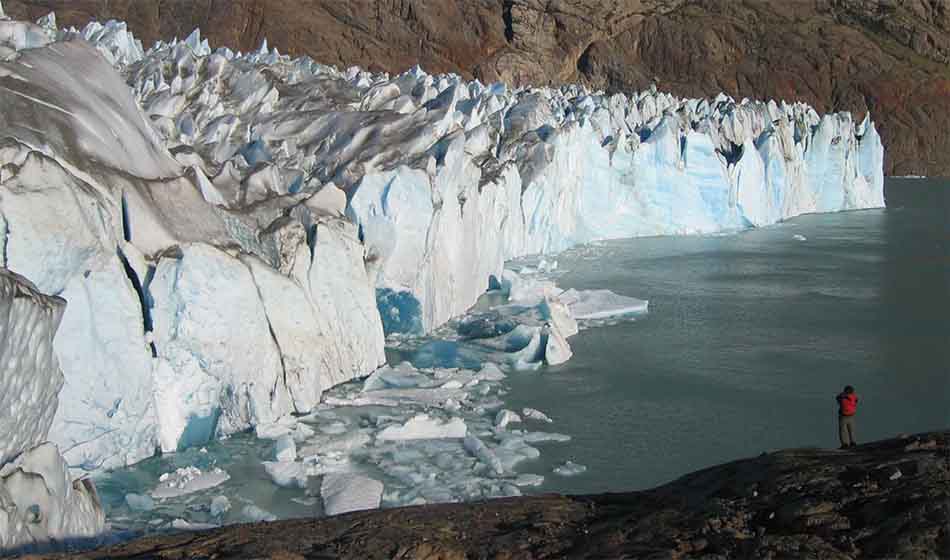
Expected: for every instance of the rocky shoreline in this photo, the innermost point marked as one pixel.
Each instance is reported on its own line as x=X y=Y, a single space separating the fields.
x=886 y=499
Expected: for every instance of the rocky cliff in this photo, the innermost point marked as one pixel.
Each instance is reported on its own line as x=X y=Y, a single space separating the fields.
x=889 y=56
x=889 y=499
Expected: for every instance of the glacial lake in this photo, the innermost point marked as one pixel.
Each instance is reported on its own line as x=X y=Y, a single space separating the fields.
x=748 y=339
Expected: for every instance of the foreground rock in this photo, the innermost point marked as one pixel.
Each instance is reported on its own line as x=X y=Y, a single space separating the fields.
x=843 y=55
x=884 y=499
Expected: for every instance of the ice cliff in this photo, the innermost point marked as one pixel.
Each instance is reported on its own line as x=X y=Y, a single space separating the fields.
x=235 y=232
x=39 y=501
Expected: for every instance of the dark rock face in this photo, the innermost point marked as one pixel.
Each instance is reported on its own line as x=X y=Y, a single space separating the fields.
x=889 y=56
x=889 y=499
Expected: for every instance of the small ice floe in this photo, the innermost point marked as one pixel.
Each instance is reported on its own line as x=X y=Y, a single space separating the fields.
x=188 y=480
x=601 y=304
x=535 y=414
x=285 y=450
x=535 y=437
x=345 y=492
x=799 y=237
x=570 y=468
x=480 y=451
x=182 y=525
x=423 y=426
x=505 y=417
x=528 y=479
x=289 y=474
x=307 y=502
x=273 y=430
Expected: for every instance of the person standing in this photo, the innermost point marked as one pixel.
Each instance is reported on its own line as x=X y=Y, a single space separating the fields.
x=847 y=408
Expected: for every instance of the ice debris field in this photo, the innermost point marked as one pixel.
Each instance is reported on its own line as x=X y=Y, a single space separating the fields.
x=237 y=236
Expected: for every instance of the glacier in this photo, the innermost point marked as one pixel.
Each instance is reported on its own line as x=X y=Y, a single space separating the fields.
x=40 y=503
x=235 y=233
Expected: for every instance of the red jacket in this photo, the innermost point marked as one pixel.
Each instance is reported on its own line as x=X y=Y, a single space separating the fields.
x=847 y=403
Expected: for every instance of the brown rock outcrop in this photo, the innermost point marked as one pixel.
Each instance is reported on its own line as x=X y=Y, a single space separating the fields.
x=889 y=56
x=889 y=499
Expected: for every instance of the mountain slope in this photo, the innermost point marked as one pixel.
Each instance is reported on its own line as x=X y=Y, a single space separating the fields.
x=887 y=56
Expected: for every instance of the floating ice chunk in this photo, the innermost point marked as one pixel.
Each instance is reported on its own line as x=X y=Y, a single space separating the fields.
x=527 y=479
x=525 y=290
x=344 y=492
x=307 y=502
x=556 y=348
x=422 y=426
x=799 y=237
x=359 y=401
x=600 y=304
x=343 y=444
x=479 y=450
x=535 y=414
x=289 y=474
x=303 y=432
x=490 y=372
x=182 y=525
x=535 y=437
x=452 y=384
x=559 y=315
x=505 y=417
x=485 y=325
x=220 y=505
x=285 y=450
x=333 y=428
x=514 y=450
x=399 y=377
x=531 y=354
x=188 y=480
x=570 y=468
x=271 y=430
x=138 y=502
x=255 y=514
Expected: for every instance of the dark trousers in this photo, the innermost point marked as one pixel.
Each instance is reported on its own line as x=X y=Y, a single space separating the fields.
x=846 y=430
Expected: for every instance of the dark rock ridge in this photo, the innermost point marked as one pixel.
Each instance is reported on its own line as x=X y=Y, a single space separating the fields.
x=889 y=56
x=889 y=499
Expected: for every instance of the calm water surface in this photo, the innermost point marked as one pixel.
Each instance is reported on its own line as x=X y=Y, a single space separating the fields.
x=748 y=339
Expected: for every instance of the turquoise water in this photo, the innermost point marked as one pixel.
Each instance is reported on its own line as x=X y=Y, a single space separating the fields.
x=748 y=339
